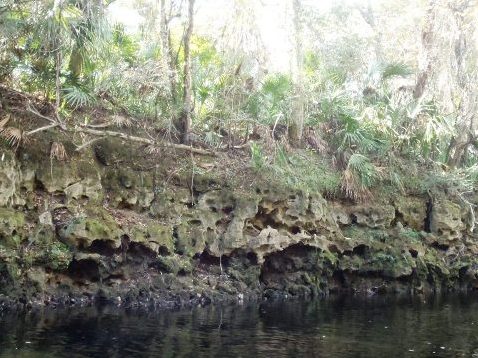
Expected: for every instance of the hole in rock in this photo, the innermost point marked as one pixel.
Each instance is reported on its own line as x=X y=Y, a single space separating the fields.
x=414 y=253
x=439 y=246
x=462 y=272
x=84 y=270
x=227 y=210
x=102 y=247
x=252 y=257
x=163 y=251
x=360 y=250
x=205 y=258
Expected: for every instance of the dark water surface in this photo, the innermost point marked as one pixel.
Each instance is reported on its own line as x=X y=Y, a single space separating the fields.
x=375 y=327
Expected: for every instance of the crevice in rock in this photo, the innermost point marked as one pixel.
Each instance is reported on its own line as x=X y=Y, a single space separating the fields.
x=397 y=219
x=428 y=218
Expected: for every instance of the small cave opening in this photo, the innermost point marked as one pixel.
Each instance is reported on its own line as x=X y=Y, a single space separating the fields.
x=286 y=260
x=243 y=258
x=84 y=270
x=427 y=225
x=102 y=247
x=441 y=247
x=163 y=251
x=205 y=258
x=353 y=219
x=140 y=251
x=124 y=205
x=413 y=253
x=38 y=184
x=265 y=218
x=252 y=257
x=360 y=250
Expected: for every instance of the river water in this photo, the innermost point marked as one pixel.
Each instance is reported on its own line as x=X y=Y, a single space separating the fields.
x=336 y=327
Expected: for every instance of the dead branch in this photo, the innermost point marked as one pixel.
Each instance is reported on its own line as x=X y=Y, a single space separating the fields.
x=102 y=133
x=53 y=125
x=87 y=144
x=142 y=140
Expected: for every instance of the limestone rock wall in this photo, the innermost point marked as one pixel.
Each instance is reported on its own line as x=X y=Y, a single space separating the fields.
x=97 y=226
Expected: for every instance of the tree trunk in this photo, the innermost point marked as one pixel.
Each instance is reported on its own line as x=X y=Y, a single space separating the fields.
x=184 y=125
x=167 y=56
x=296 y=124
x=427 y=56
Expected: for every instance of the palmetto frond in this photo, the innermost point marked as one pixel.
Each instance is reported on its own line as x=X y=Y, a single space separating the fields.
x=12 y=135
x=359 y=176
x=77 y=97
x=395 y=69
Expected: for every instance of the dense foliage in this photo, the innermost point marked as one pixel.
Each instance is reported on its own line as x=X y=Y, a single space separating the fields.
x=367 y=94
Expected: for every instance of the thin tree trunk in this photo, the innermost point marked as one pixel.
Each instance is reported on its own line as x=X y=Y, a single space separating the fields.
x=297 y=117
x=185 y=120
x=167 y=55
x=58 y=63
x=428 y=57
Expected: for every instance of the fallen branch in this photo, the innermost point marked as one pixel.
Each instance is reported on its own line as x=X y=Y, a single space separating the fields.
x=51 y=120
x=142 y=140
x=107 y=133
x=87 y=144
x=53 y=125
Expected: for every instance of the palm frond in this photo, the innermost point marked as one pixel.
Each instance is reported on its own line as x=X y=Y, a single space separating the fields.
x=359 y=176
x=12 y=135
x=396 y=69
x=77 y=97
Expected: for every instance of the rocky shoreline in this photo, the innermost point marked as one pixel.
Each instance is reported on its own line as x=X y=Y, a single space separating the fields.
x=100 y=228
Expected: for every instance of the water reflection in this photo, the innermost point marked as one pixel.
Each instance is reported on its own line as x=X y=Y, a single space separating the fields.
x=342 y=327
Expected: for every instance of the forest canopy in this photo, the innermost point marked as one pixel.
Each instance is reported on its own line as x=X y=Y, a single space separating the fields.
x=375 y=89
